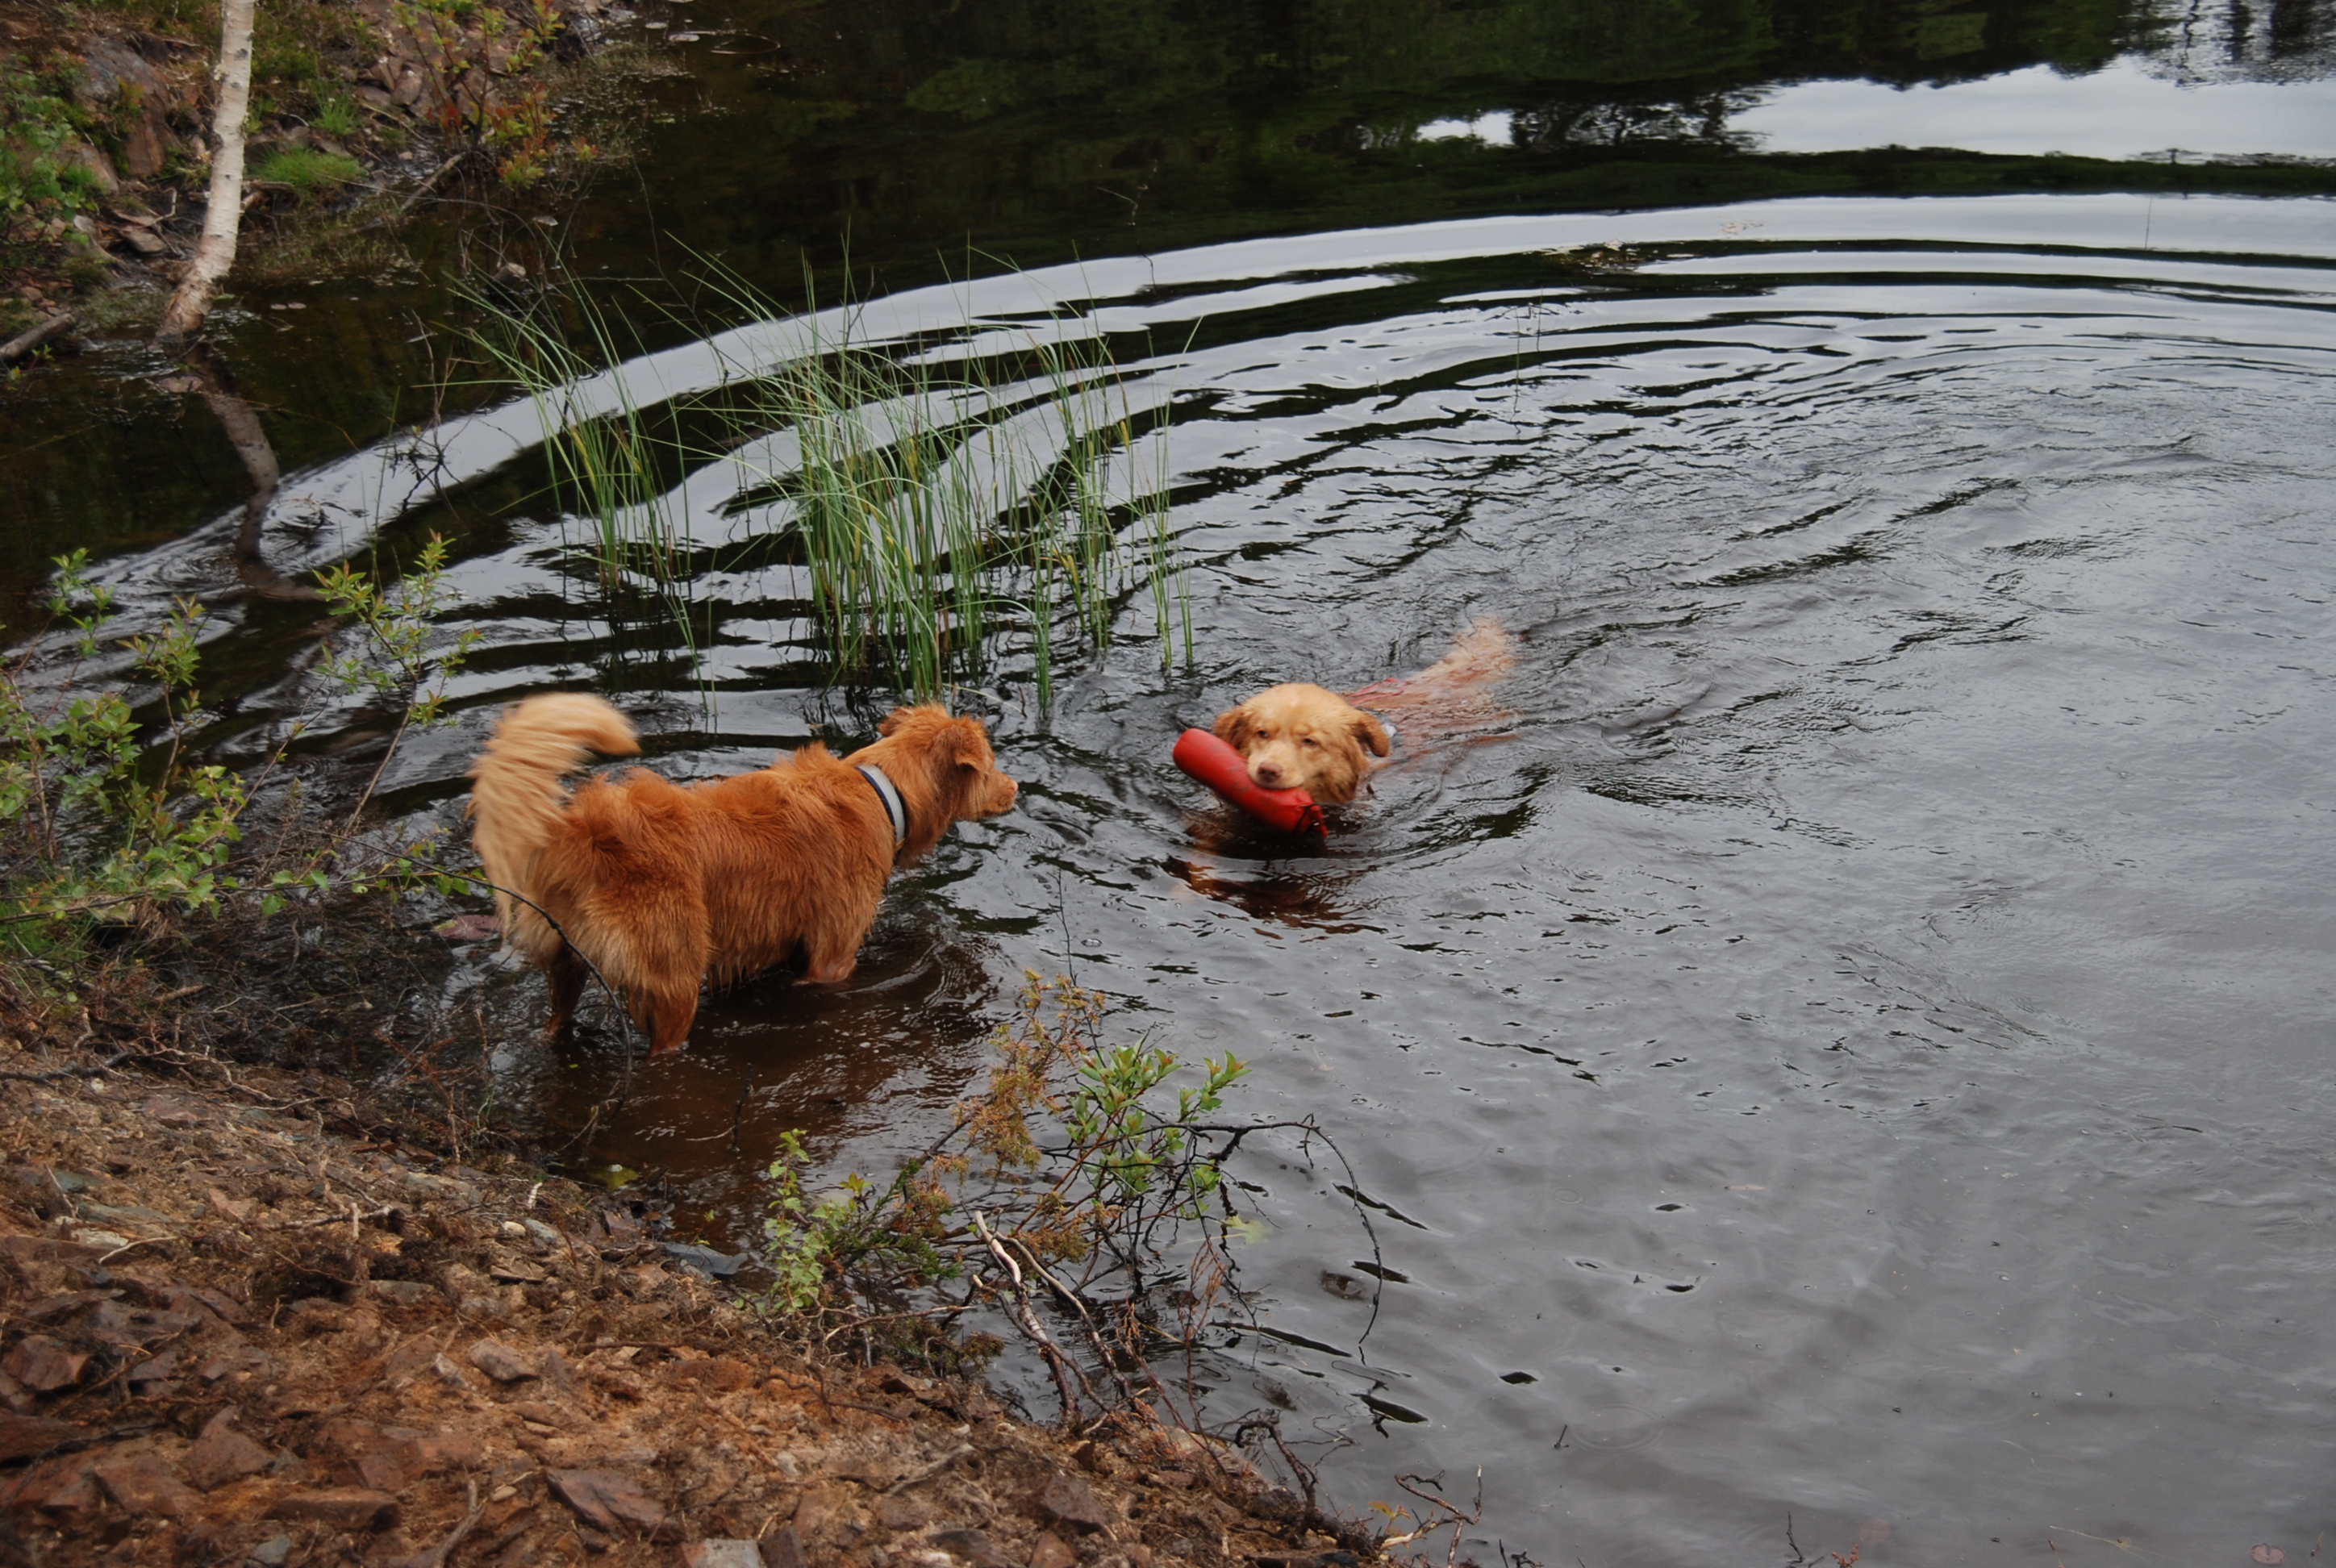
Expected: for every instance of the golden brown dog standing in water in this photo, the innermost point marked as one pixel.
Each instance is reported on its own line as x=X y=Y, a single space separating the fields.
x=1303 y=737
x=662 y=886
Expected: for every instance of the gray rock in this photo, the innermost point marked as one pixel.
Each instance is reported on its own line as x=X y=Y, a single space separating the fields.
x=500 y=1362
x=1065 y=1499
x=706 y=1260
x=722 y=1554
x=106 y=68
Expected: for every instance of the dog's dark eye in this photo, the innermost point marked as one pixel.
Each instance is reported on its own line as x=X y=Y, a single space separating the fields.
x=1309 y=740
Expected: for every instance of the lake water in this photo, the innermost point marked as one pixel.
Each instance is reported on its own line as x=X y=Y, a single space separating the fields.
x=1854 y=1044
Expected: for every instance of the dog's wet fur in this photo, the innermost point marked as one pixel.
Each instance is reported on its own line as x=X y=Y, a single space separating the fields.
x=1299 y=736
x=1303 y=737
x=663 y=887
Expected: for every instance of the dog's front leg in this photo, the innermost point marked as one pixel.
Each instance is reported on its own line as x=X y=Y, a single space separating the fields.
x=667 y=1017
x=831 y=947
x=567 y=974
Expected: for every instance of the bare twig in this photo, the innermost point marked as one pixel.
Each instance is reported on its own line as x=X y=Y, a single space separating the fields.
x=1447 y=1512
x=350 y=1219
x=930 y=1471
x=435 y=1557
x=437 y=178
x=1070 y=1297
x=1027 y=1317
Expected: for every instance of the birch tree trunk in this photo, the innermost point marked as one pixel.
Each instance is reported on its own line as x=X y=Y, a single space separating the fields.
x=223 y=220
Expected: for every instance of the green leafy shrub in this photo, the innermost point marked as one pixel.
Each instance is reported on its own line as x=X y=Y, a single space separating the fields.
x=462 y=46
x=107 y=816
x=1069 y=1176
x=37 y=125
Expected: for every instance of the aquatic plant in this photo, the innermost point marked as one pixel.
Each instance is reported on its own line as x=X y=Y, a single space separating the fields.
x=606 y=464
x=947 y=494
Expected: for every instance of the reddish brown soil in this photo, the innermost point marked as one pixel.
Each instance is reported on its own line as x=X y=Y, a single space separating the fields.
x=231 y=1336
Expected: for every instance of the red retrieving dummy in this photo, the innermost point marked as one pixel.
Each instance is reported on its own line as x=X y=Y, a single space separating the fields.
x=1226 y=771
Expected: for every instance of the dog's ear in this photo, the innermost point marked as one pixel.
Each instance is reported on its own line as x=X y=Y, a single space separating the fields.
x=967 y=743
x=931 y=715
x=1367 y=729
x=1234 y=726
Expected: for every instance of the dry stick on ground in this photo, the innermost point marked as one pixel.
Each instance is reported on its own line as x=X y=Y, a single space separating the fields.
x=224 y=218
x=435 y=1557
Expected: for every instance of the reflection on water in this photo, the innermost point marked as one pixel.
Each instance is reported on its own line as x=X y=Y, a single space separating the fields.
x=851 y=1069
x=939 y=138
x=2123 y=111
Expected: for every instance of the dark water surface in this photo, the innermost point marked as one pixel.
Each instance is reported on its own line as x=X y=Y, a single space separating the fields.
x=1855 y=1044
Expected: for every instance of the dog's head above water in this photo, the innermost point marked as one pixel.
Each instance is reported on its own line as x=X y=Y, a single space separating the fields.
x=1302 y=736
x=944 y=769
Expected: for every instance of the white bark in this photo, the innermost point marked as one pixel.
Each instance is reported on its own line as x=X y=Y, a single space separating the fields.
x=224 y=218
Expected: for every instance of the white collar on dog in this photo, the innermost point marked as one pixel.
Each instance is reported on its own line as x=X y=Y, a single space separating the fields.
x=890 y=794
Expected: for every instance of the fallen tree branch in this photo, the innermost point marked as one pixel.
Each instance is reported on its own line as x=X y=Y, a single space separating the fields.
x=23 y=343
x=438 y=176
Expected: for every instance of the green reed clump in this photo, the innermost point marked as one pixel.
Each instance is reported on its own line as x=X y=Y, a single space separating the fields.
x=893 y=526
x=946 y=493
x=610 y=467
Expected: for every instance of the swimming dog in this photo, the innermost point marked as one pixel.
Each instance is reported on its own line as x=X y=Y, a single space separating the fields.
x=1299 y=736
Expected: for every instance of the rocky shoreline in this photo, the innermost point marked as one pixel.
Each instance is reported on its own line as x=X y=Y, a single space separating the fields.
x=378 y=109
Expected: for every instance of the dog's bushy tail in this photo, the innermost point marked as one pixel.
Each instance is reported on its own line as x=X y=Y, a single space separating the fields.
x=520 y=788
